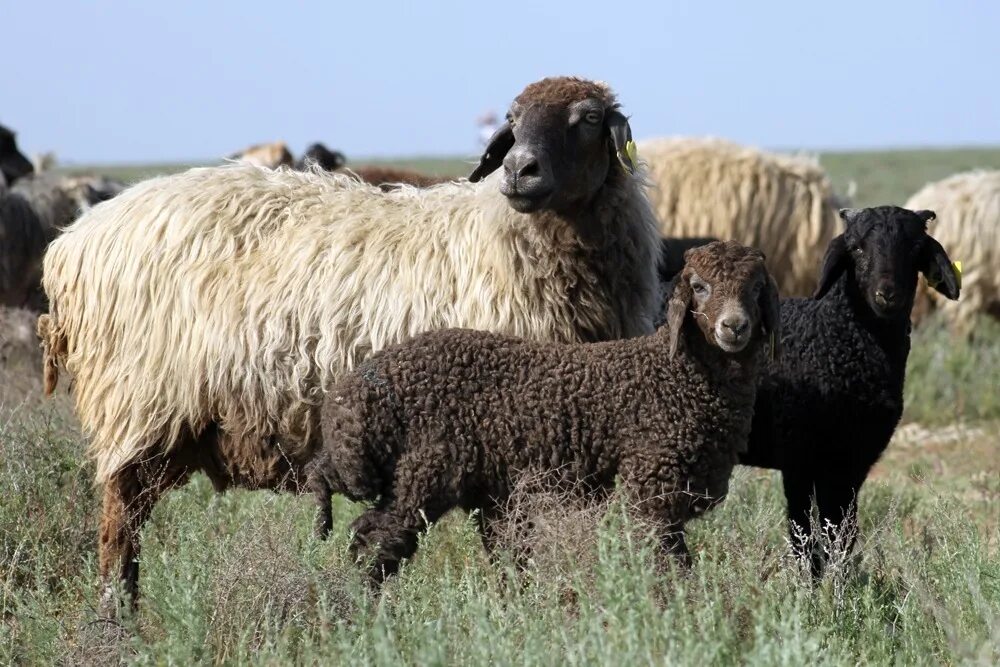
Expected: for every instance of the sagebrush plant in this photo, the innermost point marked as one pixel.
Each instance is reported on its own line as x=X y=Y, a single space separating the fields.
x=238 y=578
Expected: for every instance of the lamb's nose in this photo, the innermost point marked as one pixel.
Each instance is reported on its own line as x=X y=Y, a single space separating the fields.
x=885 y=296
x=738 y=325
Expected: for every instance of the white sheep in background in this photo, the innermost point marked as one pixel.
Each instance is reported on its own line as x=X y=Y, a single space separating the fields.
x=968 y=226
x=781 y=204
x=270 y=155
x=203 y=314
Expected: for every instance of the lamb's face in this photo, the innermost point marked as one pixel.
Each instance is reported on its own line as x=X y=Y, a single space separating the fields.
x=13 y=164
x=732 y=299
x=882 y=251
x=558 y=145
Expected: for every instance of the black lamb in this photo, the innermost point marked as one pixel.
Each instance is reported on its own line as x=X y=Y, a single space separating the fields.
x=826 y=410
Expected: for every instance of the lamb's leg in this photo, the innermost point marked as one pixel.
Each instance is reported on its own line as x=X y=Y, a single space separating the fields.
x=656 y=500
x=387 y=534
x=490 y=521
x=799 y=490
x=837 y=501
x=672 y=542
x=129 y=498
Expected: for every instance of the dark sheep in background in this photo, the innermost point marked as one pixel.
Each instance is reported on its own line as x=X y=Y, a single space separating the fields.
x=13 y=164
x=322 y=157
x=387 y=178
x=826 y=411
x=32 y=213
x=23 y=239
x=454 y=418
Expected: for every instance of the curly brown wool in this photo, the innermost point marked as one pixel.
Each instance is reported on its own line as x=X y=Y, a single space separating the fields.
x=452 y=418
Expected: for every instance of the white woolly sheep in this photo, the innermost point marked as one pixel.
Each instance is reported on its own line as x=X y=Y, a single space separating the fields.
x=781 y=204
x=968 y=225
x=202 y=314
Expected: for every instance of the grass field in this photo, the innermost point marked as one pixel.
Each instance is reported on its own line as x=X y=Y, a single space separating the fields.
x=238 y=578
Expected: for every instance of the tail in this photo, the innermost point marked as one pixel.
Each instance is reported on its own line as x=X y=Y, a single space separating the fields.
x=53 y=344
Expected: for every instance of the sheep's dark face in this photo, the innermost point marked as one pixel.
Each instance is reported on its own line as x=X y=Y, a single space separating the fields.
x=324 y=157
x=882 y=251
x=729 y=294
x=558 y=145
x=12 y=163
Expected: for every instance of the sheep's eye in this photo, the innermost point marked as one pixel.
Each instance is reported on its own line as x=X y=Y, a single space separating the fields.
x=699 y=288
x=593 y=117
x=857 y=250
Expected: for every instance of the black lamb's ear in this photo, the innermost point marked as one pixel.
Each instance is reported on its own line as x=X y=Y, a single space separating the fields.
x=496 y=149
x=938 y=269
x=770 y=308
x=620 y=133
x=677 y=309
x=834 y=264
x=849 y=215
x=926 y=215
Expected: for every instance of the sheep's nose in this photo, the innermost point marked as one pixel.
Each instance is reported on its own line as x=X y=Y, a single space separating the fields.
x=885 y=295
x=737 y=325
x=521 y=163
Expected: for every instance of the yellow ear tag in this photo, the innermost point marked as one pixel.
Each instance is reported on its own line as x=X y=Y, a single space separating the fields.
x=958 y=272
x=630 y=159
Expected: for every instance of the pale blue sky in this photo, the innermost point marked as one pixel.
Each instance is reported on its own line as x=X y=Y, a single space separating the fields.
x=116 y=81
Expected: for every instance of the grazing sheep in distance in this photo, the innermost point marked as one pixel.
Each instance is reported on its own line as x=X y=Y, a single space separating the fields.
x=387 y=178
x=779 y=203
x=826 y=411
x=13 y=164
x=269 y=156
x=42 y=162
x=390 y=178
x=202 y=314
x=968 y=224
x=322 y=157
x=453 y=418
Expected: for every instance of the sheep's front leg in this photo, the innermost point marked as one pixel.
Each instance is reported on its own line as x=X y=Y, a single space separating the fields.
x=654 y=498
x=129 y=498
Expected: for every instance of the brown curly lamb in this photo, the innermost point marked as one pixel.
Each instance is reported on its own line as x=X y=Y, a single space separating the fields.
x=453 y=418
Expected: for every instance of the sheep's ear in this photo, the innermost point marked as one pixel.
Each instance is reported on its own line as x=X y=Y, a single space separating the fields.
x=14 y=166
x=620 y=133
x=941 y=273
x=926 y=215
x=834 y=263
x=850 y=215
x=770 y=308
x=677 y=309
x=501 y=142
